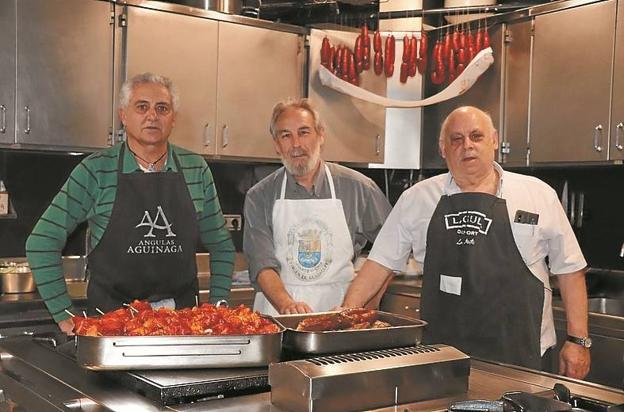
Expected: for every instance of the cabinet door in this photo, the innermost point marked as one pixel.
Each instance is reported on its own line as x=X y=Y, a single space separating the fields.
x=616 y=147
x=7 y=71
x=354 y=128
x=64 y=73
x=571 y=84
x=257 y=68
x=514 y=137
x=183 y=48
x=406 y=305
x=485 y=94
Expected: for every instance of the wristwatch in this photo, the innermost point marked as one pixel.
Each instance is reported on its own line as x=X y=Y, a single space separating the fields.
x=584 y=342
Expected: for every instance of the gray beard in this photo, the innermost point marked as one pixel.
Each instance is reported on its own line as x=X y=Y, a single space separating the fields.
x=301 y=169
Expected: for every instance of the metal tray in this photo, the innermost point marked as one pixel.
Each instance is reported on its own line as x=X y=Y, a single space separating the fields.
x=177 y=352
x=405 y=331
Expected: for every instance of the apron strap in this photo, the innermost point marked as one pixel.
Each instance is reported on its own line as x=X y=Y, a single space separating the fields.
x=283 y=192
x=122 y=152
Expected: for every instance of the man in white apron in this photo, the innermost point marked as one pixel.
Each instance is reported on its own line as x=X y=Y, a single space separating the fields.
x=306 y=222
x=483 y=235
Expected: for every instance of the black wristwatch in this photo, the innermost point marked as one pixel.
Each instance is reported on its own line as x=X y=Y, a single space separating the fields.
x=584 y=342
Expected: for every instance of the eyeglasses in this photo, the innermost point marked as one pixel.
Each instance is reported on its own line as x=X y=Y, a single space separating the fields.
x=161 y=109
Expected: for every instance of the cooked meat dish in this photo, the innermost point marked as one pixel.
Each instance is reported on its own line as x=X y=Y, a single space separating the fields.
x=349 y=319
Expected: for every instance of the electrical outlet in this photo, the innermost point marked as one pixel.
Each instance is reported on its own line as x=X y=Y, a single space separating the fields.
x=233 y=223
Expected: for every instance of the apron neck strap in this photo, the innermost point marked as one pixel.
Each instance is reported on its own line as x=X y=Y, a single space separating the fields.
x=328 y=174
x=122 y=153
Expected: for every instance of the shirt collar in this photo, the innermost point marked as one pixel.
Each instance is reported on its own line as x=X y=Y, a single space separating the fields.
x=317 y=186
x=451 y=187
x=130 y=164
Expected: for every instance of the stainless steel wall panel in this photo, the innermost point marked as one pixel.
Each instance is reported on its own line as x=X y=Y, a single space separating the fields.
x=64 y=76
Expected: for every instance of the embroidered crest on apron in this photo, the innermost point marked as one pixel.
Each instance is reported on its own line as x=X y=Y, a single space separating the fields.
x=314 y=248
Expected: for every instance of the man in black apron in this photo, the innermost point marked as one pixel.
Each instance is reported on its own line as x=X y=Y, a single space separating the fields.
x=147 y=251
x=478 y=293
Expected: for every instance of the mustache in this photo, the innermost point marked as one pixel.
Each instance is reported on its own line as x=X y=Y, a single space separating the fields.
x=297 y=152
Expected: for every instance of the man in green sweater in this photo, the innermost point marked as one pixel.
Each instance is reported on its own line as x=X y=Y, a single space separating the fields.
x=148 y=204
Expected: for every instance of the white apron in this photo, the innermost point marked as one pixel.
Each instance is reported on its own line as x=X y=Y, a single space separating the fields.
x=314 y=247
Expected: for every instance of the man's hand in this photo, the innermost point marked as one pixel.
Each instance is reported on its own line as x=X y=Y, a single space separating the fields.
x=293 y=308
x=574 y=360
x=67 y=327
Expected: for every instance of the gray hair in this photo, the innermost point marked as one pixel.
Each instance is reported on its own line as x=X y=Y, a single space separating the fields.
x=445 y=123
x=129 y=85
x=303 y=104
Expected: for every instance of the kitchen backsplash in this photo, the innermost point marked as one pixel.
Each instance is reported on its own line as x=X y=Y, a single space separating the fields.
x=33 y=178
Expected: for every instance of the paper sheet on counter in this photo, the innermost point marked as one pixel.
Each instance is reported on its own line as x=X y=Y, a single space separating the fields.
x=460 y=85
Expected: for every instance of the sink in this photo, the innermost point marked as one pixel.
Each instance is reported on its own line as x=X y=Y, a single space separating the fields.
x=606 y=306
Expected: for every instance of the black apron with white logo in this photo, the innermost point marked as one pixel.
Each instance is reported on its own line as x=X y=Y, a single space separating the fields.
x=478 y=294
x=148 y=249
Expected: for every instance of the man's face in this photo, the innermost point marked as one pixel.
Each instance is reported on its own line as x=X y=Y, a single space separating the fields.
x=149 y=117
x=297 y=141
x=469 y=143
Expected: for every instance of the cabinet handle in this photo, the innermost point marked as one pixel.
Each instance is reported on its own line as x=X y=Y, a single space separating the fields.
x=619 y=130
x=207 y=139
x=3 y=124
x=411 y=308
x=377 y=145
x=225 y=136
x=598 y=138
x=27 y=130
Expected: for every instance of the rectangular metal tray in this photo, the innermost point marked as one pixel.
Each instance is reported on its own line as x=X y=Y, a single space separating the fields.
x=405 y=331
x=178 y=352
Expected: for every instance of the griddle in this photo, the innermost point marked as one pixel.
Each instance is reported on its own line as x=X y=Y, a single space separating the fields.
x=182 y=386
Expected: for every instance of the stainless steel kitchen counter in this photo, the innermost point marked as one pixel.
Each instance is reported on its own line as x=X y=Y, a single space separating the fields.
x=32 y=374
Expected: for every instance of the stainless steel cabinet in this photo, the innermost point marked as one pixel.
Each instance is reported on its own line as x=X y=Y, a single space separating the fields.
x=7 y=71
x=406 y=304
x=184 y=49
x=485 y=94
x=616 y=144
x=256 y=68
x=354 y=128
x=513 y=137
x=64 y=73
x=571 y=84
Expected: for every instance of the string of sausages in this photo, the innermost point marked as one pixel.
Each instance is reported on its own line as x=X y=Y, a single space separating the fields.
x=450 y=55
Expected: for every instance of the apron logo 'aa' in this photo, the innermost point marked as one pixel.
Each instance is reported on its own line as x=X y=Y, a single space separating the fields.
x=468 y=219
x=155 y=246
x=153 y=224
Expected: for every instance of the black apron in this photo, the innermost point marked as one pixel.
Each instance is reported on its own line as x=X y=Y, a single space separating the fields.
x=496 y=313
x=148 y=249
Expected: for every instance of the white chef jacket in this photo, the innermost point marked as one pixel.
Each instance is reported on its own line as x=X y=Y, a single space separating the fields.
x=405 y=231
